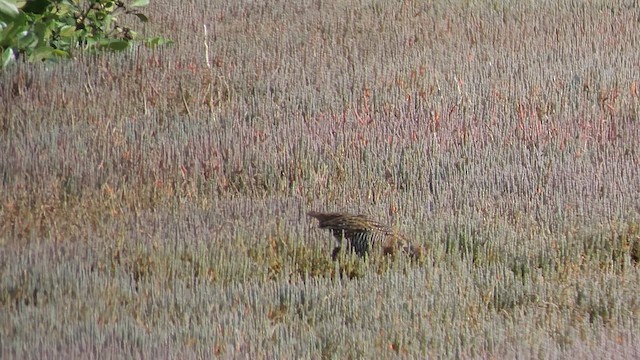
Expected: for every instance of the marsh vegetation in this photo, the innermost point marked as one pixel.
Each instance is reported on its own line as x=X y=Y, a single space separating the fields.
x=153 y=202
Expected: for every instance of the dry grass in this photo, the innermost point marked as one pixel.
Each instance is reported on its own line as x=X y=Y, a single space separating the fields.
x=153 y=205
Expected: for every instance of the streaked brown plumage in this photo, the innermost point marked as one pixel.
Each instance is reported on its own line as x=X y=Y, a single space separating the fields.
x=362 y=234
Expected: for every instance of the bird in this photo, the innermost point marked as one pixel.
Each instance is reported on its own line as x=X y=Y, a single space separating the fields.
x=362 y=234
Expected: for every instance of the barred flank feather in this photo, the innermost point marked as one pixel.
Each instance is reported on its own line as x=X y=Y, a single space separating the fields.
x=362 y=234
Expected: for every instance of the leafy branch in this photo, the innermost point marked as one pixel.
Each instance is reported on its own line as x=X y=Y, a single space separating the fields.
x=39 y=30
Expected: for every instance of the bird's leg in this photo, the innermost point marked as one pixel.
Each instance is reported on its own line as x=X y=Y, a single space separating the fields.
x=335 y=253
x=340 y=236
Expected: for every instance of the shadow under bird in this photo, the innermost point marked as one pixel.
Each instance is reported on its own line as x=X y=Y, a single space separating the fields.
x=363 y=234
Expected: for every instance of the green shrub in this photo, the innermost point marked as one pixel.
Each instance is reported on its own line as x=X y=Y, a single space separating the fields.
x=49 y=29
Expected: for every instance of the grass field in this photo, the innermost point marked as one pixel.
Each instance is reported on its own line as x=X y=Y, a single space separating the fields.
x=152 y=203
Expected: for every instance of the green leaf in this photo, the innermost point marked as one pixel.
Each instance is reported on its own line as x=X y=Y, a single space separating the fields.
x=67 y=31
x=116 y=45
x=142 y=17
x=64 y=9
x=8 y=7
x=90 y=43
x=157 y=41
x=44 y=29
x=46 y=52
x=13 y=32
x=139 y=3
x=7 y=57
